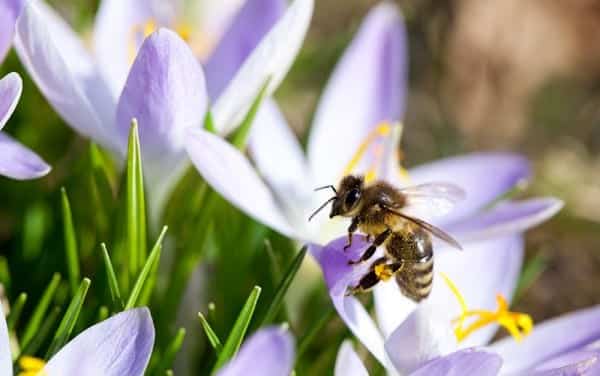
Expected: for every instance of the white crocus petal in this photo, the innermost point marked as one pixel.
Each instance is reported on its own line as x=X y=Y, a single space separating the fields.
x=5 y=356
x=391 y=307
x=278 y=157
x=270 y=61
x=64 y=72
x=348 y=363
x=11 y=87
x=213 y=16
x=120 y=345
x=230 y=174
x=116 y=32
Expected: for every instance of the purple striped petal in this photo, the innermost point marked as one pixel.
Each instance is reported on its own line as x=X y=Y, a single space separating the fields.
x=550 y=339
x=576 y=363
x=483 y=176
x=269 y=61
x=5 y=356
x=230 y=174
x=9 y=11
x=348 y=363
x=465 y=362
x=11 y=87
x=269 y=352
x=18 y=162
x=367 y=87
x=505 y=218
x=338 y=277
x=120 y=345
x=166 y=93
x=64 y=72
x=117 y=33
x=249 y=26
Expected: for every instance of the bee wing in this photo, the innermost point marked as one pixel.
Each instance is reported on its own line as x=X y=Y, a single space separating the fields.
x=431 y=200
x=435 y=231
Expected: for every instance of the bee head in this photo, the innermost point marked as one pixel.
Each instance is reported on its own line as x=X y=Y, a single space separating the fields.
x=348 y=196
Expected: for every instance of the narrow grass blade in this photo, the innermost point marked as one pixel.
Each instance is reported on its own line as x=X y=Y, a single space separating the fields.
x=531 y=271
x=145 y=273
x=171 y=351
x=209 y=123
x=102 y=177
x=15 y=312
x=69 y=319
x=240 y=136
x=136 y=207
x=236 y=336
x=312 y=331
x=283 y=287
x=214 y=340
x=103 y=313
x=111 y=277
x=70 y=242
x=42 y=334
x=39 y=314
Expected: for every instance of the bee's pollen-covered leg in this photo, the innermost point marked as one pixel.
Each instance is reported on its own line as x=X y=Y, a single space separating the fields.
x=379 y=240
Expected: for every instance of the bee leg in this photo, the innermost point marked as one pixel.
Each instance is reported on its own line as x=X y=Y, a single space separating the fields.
x=351 y=230
x=373 y=247
x=368 y=280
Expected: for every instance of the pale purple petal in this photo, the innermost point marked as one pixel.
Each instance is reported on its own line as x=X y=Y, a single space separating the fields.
x=18 y=162
x=505 y=218
x=165 y=91
x=367 y=87
x=117 y=33
x=230 y=174
x=9 y=11
x=270 y=60
x=120 y=345
x=550 y=339
x=576 y=363
x=339 y=276
x=5 y=356
x=483 y=176
x=11 y=87
x=251 y=23
x=64 y=72
x=465 y=362
x=348 y=363
x=269 y=352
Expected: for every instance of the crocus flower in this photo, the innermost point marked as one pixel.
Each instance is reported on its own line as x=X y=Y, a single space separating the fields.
x=357 y=130
x=158 y=80
x=269 y=352
x=464 y=312
x=120 y=345
x=16 y=161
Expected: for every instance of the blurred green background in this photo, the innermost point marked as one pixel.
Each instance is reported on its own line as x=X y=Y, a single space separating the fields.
x=519 y=75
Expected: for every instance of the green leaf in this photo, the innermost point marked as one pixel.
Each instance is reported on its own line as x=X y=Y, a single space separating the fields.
x=171 y=351
x=283 y=287
x=236 y=336
x=102 y=180
x=209 y=123
x=69 y=319
x=145 y=273
x=136 y=205
x=313 y=330
x=15 y=312
x=39 y=314
x=240 y=136
x=70 y=242
x=531 y=271
x=210 y=334
x=41 y=335
x=103 y=313
x=113 y=284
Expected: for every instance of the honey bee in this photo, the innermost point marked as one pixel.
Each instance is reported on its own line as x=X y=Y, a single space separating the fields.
x=384 y=214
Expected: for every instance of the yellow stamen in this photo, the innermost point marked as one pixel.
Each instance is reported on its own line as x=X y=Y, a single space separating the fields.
x=517 y=324
x=184 y=30
x=31 y=366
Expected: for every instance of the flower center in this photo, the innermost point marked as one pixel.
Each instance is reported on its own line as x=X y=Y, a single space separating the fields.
x=517 y=324
x=31 y=366
x=374 y=145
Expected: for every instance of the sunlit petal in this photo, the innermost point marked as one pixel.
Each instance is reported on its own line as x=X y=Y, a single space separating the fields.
x=465 y=362
x=348 y=363
x=11 y=87
x=18 y=162
x=9 y=11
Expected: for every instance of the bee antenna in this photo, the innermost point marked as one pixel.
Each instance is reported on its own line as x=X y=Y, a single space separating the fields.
x=321 y=207
x=325 y=187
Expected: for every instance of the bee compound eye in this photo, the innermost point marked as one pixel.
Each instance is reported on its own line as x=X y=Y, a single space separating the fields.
x=352 y=198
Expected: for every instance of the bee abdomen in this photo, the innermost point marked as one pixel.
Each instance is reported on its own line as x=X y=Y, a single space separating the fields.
x=416 y=278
